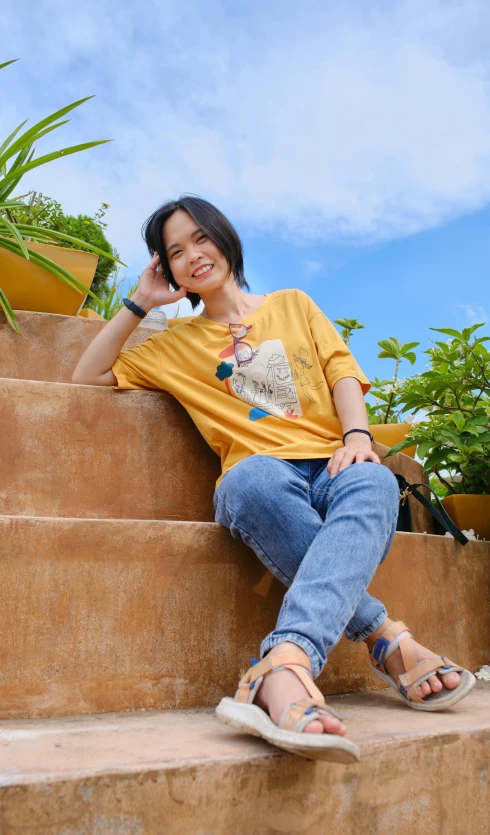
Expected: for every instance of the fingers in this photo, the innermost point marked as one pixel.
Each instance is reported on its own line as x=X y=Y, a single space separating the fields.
x=346 y=456
x=340 y=460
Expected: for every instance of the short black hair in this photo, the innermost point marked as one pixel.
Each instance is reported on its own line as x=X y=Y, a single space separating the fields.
x=213 y=222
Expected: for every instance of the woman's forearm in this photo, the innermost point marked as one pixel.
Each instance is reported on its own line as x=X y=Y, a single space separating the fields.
x=95 y=366
x=349 y=402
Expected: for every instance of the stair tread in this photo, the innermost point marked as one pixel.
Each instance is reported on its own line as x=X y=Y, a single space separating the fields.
x=48 y=750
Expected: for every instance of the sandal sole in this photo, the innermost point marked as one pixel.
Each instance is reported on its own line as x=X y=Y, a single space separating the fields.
x=253 y=720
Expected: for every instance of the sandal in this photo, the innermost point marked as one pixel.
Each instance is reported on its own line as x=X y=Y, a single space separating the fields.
x=397 y=636
x=242 y=714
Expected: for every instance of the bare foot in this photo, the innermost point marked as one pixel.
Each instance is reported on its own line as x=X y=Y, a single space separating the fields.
x=395 y=665
x=279 y=690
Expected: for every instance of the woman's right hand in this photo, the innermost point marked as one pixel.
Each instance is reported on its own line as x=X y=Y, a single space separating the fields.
x=154 y=288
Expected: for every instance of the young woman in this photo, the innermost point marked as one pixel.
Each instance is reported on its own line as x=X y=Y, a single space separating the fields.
x=276 y=393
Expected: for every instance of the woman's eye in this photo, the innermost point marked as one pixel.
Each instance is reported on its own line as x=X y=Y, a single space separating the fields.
x=177 y=252
x=201 y=237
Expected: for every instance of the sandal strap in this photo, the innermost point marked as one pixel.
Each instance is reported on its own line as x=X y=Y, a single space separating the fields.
x=379 y=650
x=299 y=714
x=409 y=681
x=250 y=682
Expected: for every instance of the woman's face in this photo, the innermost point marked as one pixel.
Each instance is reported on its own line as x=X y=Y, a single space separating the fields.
x=196 y=262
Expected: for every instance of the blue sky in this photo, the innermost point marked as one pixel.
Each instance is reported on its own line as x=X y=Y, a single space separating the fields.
x=348 y=142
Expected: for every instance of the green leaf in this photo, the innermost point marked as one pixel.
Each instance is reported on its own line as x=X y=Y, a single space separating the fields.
x=456 y=457
x=410 y=356
x=5 y=305
x=409 y=346
x=6 y=63
x=449 y=331
x=477 y=420
x=11 y=136
x=459 y=420
x=13 y=204
x=435 y=459
x=40 y=234
x=74 y=149
x=405 y=444
x=424 y=447
x=13 y=231
x=475 y=327
x=31 y=135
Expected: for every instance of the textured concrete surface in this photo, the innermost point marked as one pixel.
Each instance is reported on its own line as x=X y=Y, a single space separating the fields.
x=181 y=773
x=86 y=451
x=50 y=345
x=118 y=615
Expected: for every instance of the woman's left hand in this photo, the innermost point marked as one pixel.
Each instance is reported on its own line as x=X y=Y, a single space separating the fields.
x=354 y=452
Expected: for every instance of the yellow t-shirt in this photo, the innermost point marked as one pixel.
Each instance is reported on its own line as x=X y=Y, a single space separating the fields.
x=279 y=404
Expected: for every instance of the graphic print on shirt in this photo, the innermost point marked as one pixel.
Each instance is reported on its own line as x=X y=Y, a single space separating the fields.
x=304 y=379
x=266 y=383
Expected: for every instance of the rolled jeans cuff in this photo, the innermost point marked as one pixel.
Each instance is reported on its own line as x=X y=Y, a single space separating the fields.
x=301 y=641
x=358 y=637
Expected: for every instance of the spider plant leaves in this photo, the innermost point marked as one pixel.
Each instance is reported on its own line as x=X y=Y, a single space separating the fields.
x=32 y=135
x=9 y=313
x=15 y=234
x=46 y=235
x=8 y=183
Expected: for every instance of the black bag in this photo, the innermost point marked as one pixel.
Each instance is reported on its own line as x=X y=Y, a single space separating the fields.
x=439 y=513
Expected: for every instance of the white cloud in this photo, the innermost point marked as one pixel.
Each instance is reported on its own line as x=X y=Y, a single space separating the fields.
x=314 y=121
x=475 y=313
x=312 y=267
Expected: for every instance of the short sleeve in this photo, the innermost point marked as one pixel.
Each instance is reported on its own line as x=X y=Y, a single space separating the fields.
x=336 y=359
x=140 y=367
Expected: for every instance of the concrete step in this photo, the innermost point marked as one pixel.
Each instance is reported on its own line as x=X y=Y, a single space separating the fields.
x=87 y=451
x=117 y=615
x=91 y=452
x=50 y=345
x=183 y=773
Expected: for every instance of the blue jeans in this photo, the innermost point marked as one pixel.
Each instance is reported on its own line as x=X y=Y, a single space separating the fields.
x=322 y=537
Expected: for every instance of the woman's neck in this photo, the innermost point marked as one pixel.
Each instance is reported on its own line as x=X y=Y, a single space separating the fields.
x=230 y=304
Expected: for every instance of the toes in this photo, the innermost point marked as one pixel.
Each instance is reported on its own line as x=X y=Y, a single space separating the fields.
x=333 y=726
x=326 y=724
x=315 y=727
x=435 y=684
x=424 y=689
x=451 y=680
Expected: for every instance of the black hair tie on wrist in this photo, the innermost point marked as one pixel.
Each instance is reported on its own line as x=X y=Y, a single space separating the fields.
x=364 y=432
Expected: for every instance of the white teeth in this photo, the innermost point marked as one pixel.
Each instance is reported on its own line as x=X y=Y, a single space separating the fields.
x=202 y=270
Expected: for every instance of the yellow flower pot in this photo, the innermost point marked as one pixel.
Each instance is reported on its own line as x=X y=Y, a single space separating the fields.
x=88 y=313
x=391 y=434
x=29 y=287
x=469 y=512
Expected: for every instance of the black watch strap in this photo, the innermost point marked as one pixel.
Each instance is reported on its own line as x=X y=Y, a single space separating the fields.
x=134 y=308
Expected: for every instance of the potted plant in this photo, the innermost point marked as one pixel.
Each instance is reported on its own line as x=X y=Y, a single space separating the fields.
x=453 y=438
x=34 y=273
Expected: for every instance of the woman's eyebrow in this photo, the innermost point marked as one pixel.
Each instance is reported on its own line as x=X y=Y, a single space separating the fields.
x=192 y=235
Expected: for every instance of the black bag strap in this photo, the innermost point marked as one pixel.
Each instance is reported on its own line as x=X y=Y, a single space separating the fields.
x=439 y=512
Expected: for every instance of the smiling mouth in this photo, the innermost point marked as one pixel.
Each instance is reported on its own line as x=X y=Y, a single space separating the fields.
x=203 y=271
